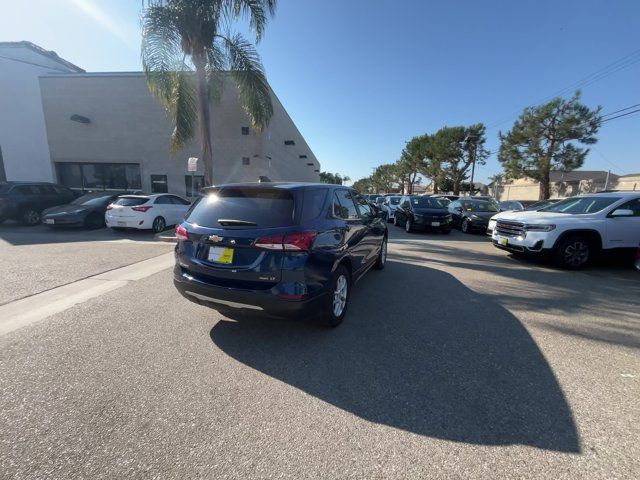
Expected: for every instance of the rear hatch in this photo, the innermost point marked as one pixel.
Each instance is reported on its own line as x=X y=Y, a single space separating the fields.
x=123 y=206
x=237 y=236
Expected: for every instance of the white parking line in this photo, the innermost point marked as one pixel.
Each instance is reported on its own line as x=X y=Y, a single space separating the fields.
x=35 y=308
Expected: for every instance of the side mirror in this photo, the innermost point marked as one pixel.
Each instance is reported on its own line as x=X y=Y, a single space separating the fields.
x=622 y=212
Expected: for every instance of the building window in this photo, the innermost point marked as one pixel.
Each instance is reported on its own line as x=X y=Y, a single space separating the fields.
x=193 y=189
x=246 y=161
x=302 y=156
x=310 y=164
x=245 y=130
x=289 y=142
x=159 y=184
x=99 y=176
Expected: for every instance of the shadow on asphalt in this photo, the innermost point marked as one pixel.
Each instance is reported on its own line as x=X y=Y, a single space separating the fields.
x=426 y=355
x=17 y=234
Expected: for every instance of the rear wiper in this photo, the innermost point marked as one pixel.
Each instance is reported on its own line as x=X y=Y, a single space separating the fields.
x=229 y=222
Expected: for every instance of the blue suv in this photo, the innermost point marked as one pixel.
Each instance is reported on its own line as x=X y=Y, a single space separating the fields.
x=282 y=249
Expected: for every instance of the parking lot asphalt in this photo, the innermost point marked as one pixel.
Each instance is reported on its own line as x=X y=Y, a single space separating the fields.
x=456 y=361
x=35 y=259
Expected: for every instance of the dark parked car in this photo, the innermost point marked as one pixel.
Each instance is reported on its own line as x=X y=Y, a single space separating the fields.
x=25 y=201
x=418 y=212
x=515 y=205
x=85 y=211
x=472 y=215
x=284 y=249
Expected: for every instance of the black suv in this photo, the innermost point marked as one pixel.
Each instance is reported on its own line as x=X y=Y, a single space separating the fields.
x=420 y=212
x=284 y=249
x=25 y=201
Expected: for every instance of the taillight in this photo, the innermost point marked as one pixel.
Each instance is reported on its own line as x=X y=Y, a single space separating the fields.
x=109 y=207
x=181 y=233
x=297 y=242
x=141 y=209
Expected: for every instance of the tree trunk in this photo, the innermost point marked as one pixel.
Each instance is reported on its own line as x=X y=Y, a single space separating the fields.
x=545 y=187
x=456 y=186
x=435 y=185
x=204 y=115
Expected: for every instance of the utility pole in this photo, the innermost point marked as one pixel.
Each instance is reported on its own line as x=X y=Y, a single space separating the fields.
x=606 y=182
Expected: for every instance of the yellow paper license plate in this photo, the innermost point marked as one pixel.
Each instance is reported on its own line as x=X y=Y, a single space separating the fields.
x=220 y=255
x=503 y=242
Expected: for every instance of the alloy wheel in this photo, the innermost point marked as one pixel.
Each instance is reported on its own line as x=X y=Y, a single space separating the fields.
x=576 y=253
x=465 y=225
x=159 y=225
x=340 y=295
x=31 y=217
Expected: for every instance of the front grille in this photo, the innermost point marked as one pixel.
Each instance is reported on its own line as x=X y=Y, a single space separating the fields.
x=509 y=229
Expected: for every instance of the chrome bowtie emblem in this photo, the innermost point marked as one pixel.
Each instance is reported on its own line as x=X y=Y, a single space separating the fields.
x=215 y=238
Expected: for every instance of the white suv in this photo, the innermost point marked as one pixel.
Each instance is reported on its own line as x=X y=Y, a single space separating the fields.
x=573 y=230
x=389 y=206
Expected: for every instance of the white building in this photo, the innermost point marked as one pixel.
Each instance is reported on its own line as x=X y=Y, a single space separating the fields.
x=95 y=131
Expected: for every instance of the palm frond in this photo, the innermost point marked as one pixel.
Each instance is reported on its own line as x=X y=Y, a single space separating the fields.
x=185 y=113
x=246 y=69
x=257 y=11
x=215 y=66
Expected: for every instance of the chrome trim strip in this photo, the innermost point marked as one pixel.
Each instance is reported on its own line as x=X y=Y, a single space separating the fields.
x=223 y=302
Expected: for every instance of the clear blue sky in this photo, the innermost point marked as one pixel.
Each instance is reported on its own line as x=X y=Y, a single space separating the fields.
x=360 y=77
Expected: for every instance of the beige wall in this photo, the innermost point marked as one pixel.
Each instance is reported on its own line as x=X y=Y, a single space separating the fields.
x=128 y=125
x=527 y=189
x=628 y=183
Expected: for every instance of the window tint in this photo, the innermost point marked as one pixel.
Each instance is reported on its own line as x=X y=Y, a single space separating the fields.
x=313 y=203
x=425 y=202
x=179 y=201
x=131 y=201
x=632 y=205
x=26 y=190
x=159 y=184
x=255 y=207
x=164 y=200
x=346 y=207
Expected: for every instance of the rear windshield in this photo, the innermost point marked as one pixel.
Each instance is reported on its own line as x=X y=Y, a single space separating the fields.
x=247 y=207
x=130 y=201
x=394 y=200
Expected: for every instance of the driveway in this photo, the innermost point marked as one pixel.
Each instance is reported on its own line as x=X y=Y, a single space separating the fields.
x=456 y=361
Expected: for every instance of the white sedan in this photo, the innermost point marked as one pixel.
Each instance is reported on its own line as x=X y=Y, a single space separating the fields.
x=155 y=212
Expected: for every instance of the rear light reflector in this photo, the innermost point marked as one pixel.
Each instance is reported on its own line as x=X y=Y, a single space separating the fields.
x=296 y=242
x=181 y=233
x=285 y=296
x=141 y=209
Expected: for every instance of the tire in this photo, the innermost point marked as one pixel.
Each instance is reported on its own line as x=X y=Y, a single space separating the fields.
x=407 y=226
x=340 y=280
x=574 y=252
x=118 y=229
x=381 y=261
x=30 y=217
x=465 y=226
x=446 y=231
x=93 y=221
x=159 y=225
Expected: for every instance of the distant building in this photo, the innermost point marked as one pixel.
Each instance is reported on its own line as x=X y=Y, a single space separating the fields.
x=628 y=182
x=563 y=184
x=98 y=131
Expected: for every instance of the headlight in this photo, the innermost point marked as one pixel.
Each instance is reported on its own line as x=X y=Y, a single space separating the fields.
x=539 y=228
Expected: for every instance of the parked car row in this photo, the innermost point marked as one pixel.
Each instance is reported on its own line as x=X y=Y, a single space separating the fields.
x=57 y=206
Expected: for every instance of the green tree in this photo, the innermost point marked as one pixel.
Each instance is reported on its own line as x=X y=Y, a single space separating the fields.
x=546 y=138
x=455 y=149
x=384 y=178
x=413 y=162
x=187 y=40
x=334 y=178
x=364 y=185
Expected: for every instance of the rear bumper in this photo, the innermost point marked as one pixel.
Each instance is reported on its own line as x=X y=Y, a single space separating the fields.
x=127 y=222
x=249 y=301
x=57 y=221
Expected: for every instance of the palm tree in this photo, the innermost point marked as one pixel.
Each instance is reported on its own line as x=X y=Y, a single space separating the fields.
x=183 y=36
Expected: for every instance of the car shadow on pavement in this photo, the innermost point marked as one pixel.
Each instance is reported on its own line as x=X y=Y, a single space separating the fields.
x=420 y=352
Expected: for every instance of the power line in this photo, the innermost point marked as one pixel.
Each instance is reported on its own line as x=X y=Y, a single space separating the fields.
x=621 y=115
x=621 y=110
x=32 y=63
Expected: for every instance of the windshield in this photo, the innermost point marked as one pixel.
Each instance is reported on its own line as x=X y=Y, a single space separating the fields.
x=480 y=207
x=244 y=207
x=582 y=205
x=394 y=200
x=92 y=199
x=541 y=204
x=425 y=202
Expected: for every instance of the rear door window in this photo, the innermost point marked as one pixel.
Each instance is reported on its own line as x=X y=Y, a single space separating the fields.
x=313 y=203
x=130 y=201
x=244 y=207
x=346 y=206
